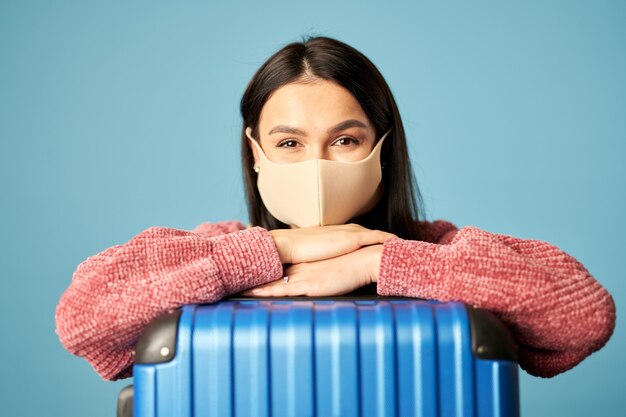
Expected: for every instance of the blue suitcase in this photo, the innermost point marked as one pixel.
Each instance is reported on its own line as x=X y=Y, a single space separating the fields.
x=338 y=356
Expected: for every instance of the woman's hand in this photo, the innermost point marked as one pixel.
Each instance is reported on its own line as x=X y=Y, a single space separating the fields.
x=323 y=242
x=335 y=276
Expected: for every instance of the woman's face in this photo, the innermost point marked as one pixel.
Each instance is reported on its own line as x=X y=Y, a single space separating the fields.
x=316 y=120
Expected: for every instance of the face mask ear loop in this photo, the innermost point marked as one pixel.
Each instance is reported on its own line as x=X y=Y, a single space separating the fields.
x=377 y=149
x=257 y=145
x=383 y=137
x=382 y=164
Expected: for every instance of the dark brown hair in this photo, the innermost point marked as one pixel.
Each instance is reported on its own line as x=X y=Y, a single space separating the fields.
x=329 y=59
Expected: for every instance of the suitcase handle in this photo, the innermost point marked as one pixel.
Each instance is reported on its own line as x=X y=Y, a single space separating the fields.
x=157 y=344
x=491 y=339
x=125 y=402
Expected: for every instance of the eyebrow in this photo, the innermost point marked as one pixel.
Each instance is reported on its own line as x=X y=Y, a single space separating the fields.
x=337 y=128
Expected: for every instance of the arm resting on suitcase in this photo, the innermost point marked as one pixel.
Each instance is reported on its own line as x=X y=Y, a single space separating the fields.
x=558 y=313
x=115 y=294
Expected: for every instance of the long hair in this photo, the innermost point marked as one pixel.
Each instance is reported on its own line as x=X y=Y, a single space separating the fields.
x=400 y=206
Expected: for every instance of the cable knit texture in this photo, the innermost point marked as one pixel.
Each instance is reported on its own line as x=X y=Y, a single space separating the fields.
x=558 y=313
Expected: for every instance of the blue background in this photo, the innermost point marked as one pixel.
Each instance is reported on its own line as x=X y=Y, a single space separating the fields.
x=115 y=117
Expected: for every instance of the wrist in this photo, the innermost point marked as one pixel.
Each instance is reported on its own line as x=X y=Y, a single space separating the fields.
x=375 y=256
x=277 y=242
x=281 y=243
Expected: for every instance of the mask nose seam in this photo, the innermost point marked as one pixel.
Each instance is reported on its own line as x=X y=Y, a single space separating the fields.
x=319 y=193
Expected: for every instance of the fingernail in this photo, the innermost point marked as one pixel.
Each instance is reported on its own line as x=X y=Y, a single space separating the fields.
x=258 y=291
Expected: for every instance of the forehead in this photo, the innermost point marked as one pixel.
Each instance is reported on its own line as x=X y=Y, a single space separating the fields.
x=312 y=105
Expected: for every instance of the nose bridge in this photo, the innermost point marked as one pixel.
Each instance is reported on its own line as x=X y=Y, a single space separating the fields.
x=318 y=151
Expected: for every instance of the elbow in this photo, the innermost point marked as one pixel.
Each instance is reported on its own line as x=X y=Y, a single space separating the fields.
x=76 y=314
x=85 y=330
x=592 y=334
x=595 y=330
x=80 y=307
x=593 y=313
x=64 y=323
x=71 y=316
x=603 y=320
x=591 y=320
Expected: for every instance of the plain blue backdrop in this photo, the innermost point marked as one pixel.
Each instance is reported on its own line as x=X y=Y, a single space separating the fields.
x=118 y=116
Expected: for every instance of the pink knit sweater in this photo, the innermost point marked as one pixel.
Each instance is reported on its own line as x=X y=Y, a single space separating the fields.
x=558 y=313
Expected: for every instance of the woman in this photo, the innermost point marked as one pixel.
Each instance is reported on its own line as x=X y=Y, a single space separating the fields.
x=333 y=208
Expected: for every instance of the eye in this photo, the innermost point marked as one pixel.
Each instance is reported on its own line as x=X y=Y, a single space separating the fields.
x=289 y=143
x=346 y=141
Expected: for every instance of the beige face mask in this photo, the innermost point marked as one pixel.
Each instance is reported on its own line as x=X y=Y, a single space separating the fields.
x=319 y=192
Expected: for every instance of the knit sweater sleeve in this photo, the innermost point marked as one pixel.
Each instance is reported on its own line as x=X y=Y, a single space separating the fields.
x=116 y=293
x=558 y=313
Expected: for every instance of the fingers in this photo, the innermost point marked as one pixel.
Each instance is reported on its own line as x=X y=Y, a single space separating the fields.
x=279 y=288
x=378 y=236
x=324 y=242
x=328 y=277
x=368 y=237
x=301 y=282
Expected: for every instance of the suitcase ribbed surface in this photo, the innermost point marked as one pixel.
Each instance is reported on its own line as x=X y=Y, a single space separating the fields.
x=275 y=358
